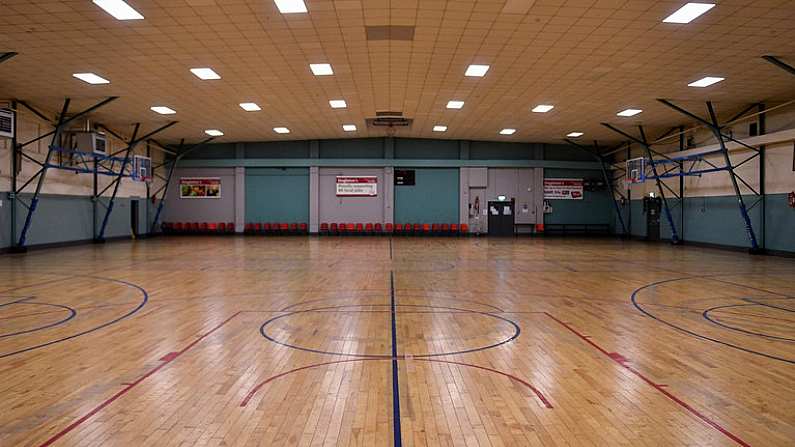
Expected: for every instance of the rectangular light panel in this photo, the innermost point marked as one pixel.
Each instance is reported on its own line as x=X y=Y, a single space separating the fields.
x=477 y=71
x=439 y=128
x=281 y=130
x=542 y=108
x=250 y=106
x=455 y=104
x=575 y=134
x=214 y=132
x=349 y=127
x=163 y=110
x=705 y=82
x=321 y=69
x=205 y=74
x=119 y=9
x=91 y=78
x=629 y=112
x=338 y=104
x=291 y=6
x=689 y=12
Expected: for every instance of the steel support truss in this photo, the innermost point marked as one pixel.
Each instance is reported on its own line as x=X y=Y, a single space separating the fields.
x=696 y=169
x=609 y=179
x=170 y=165
x=661 y=186
x=83 y=162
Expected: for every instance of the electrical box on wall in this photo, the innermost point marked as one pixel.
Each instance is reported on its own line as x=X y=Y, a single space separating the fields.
x=7 y=118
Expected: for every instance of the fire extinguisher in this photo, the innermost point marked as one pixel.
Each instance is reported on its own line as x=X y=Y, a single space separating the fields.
x=791 y=199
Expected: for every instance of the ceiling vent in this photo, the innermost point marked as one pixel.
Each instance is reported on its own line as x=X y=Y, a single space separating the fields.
x=390 y=32
x=7 y=123
x=389 y=119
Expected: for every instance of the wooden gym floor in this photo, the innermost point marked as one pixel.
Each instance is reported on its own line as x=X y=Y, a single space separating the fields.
x=196 y=341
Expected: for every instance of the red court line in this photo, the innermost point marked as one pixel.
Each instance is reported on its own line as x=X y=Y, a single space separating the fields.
x=165 y=361
x=259 y=386
x=621 y=360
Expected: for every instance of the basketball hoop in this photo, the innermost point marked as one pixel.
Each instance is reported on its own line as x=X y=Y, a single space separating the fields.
x=636 y=170
x=142 y=169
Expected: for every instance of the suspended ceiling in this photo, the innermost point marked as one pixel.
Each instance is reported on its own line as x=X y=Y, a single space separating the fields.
x=588 y=58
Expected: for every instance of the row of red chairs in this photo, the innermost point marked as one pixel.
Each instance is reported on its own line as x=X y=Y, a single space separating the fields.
x=397 y=229
x=276 y=228
x=198 y=228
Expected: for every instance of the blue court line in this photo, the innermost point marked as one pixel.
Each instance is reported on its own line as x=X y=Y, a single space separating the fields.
x=634 y=298
x=71 y=311
x=715 y=321
x=516 y=333
x=102 y=326
x=395 y=386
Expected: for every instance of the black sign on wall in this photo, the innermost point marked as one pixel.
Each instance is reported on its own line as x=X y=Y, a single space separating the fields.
x=404 y=177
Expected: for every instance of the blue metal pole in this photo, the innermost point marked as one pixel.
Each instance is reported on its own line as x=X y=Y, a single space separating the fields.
x=130 y=148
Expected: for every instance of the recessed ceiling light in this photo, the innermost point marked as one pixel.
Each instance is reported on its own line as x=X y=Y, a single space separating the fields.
x=507 y=131
x=338 y=104
x=575 y=134
x=91 y=78
x=705 y=82
x=163 y=110
x=281 y=130
x=439 y=128
x=629 y=112
x=291 y=6
x=477 y=71
x=205 y=74
x=321 y=69
x=542 y=108
x=455 y=104
x=689 y=12
x=250 y=106
x=214 y=132
x=349 y=127
x=119 y=9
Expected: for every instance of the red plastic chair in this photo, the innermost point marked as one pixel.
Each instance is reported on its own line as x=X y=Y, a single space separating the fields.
x=454 y=229
x=178 y=227
x=389 y=228
x=445 y=229
x=426 y=229
x=378 y=228
x=333 y=229
x=350 y=228
x=222 y=227
x=249 y=228
x=303 y=228
x=435 y=229
x=398 y=228
x=464 y=229
x=368 y=228
x=341 y=228
x=230 y=227
x=258 y=228
x=324 y=228
x=266 y=228
x=284 y=228
x=211 y=227
x=294 y=228
x=408 y=229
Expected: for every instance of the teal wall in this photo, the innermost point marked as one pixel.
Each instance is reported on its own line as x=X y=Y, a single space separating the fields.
x=433 y=199
x=595 y=208
x=62 y=218
x=717 y=220
x=277 y=195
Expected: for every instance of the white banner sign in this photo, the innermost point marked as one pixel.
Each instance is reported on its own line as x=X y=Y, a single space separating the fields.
x=357 y=186
x=563 y=189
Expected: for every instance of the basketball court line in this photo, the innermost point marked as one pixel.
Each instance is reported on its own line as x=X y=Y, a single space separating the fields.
x=622 y=361
x=102 y=326
x=72 y=314
x=396 y=433
x=634 y=299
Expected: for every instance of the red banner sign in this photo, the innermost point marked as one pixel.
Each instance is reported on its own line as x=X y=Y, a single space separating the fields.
x=563 y=189
x=200 y=188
